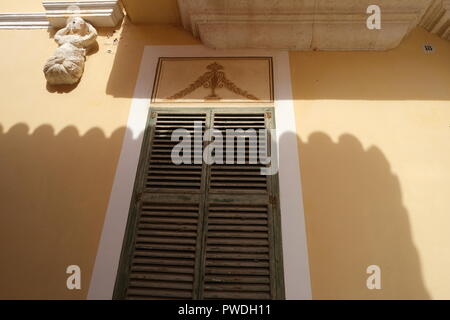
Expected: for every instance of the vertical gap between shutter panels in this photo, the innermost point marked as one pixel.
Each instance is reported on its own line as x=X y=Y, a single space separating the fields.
x=202 y=227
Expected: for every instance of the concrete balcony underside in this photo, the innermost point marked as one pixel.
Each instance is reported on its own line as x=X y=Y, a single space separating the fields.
x=309 y=24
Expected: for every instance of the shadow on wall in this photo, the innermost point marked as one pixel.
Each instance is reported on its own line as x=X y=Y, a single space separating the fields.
x=355 y=218
x=404 y=73
x=54 y=191
x=130 y=49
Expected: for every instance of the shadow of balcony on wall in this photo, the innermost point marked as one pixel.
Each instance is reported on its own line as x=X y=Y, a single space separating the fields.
x=355 y=218
x=54 y=192
x=55 y=189
x=404 y=73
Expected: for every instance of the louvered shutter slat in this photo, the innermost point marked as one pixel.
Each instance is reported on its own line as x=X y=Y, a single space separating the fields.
x=237 y=253
x=225 y=177
x=162 y=174
x=164 y=253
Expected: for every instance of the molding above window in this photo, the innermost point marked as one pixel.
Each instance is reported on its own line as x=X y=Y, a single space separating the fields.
x=23 y=21
x=100 y=13
x=299 y=25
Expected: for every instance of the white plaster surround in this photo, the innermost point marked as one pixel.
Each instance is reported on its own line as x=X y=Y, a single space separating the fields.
x=295 y=253
x=300 y=24
x=23 y=21
x=99 y=13
x=437 y=18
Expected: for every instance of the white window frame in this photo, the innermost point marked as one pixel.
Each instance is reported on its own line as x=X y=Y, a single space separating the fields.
x=295 y=250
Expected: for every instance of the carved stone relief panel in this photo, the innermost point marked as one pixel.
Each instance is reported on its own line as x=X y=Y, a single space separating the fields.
x=198 y=80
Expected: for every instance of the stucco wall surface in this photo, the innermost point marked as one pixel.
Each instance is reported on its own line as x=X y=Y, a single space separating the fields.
x=374 y=133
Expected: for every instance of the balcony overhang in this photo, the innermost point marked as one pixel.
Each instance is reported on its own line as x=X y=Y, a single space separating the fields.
x=303 y=24
x=437 y=18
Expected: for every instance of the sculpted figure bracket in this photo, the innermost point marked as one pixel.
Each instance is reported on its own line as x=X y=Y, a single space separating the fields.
x=66 y=66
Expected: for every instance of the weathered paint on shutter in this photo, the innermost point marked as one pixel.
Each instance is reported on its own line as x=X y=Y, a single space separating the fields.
x=172 y=249
x=160 y=253
x=238 y=177
x=242 y=240
x=162 y=174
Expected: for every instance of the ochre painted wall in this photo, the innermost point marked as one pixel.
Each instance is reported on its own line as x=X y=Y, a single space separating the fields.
x=373 y=129
x=58 y=154
x=13 y=6
x=374 y=136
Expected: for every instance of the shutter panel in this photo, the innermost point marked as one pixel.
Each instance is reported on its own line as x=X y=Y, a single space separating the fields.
x=244 y=177
x=165 y=248
x=237 y=258
x=159 y=258
x=198 y=231
x=240 y=256
x=162 y=173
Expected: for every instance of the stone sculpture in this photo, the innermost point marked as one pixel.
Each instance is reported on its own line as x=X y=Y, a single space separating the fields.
x=66 y=66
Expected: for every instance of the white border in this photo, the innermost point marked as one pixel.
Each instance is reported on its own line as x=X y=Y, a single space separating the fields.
x=24 y=21
x=295 y=254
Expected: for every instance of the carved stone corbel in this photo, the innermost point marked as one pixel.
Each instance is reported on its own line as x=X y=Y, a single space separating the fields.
x=66 y=66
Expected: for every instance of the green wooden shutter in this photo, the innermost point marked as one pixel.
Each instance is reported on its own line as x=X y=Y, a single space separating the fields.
x=242 y=255
x=161 y=249
x=172 y=248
